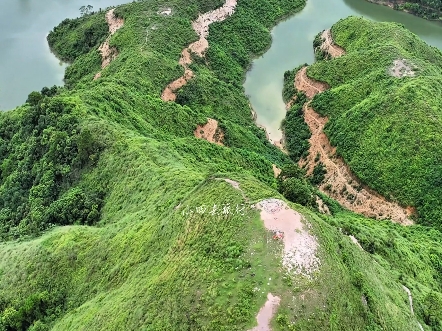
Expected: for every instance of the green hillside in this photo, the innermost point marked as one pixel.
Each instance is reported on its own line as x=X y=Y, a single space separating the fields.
x=386 y=128
x=104 y=190
x=428 y=9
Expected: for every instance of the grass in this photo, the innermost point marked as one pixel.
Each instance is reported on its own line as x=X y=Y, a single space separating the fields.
x=150 y=261
x=386 y=128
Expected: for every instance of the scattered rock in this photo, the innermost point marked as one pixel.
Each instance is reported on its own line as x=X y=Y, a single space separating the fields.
x=402 y=68
x=210 y=132
x=300 y=246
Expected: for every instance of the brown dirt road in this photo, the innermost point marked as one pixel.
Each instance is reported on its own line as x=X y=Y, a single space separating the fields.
x=199 y=47
x=340 y=183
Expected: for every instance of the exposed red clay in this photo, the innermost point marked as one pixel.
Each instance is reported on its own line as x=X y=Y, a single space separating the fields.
x=210 y=132
x=108 y=54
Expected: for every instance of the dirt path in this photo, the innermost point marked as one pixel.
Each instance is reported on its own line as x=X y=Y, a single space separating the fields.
x=299 y=256
x=340 y=183
x=108 y=54
x=210 y=132
x=410 y=299
x=199 y=47
x=266 y=313
x=329 y=46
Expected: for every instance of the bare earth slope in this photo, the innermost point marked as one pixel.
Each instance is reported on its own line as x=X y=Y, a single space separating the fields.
x=339 y=182
x=201 y=27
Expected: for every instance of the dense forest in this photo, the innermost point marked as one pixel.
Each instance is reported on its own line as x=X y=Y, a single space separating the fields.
x=428 y=9
x=103 y=189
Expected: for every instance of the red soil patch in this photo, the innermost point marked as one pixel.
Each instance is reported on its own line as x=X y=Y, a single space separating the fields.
x=300 y=247
x=210 y=132
x=108 y=54
x=329 y=46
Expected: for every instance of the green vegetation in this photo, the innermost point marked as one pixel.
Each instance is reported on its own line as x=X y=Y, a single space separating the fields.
x=296 y=131
x=153 y=238
x=428 y=9
x=385 y=127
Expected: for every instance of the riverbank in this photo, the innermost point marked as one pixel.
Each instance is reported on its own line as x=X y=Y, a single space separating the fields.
x=419 y=10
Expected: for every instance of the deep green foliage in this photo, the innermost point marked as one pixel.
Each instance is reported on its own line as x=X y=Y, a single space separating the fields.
x=43 y=149
x=294 y=187
x=428 y=9
x=318 y=174
x=74 y=37
x=296 y=131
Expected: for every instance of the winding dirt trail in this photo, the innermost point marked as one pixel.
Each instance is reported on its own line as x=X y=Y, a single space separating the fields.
x=108 y=54
x=340 y=183
x=199 y=47
x=329 y=46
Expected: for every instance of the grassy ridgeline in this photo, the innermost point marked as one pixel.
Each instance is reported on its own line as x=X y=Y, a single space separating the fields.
x=148 y=264
x=386 y=128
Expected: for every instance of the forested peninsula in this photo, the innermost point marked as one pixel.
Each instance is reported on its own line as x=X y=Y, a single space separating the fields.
x=141 y=195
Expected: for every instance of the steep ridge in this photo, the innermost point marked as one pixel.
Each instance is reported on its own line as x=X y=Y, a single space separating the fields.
x=201 y=27
x=339 y=183
x=125 y=221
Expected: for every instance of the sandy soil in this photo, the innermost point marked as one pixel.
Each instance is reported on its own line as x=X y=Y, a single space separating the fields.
x=340 y=183
x=322 y=207
x=401 y=68
x=210 y=132
x=108 y=54
x=355 y=241
x=199 y=47
x=266 y=313
x=329 y=46
x=276 y=170
x=299 y=255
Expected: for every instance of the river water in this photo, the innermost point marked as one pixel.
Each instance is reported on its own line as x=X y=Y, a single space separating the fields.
x=26 y=63
x=293 y=45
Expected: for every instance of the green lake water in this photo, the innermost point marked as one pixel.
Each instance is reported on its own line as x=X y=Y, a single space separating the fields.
x=26 y=63
x=293 y=45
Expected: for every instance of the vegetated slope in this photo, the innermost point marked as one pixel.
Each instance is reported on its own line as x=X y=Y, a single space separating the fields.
x=428 y=9
x=172 y=246
x=384 y=110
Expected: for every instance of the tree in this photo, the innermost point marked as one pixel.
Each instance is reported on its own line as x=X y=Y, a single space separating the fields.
x=84 y=10
x=34 y=98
